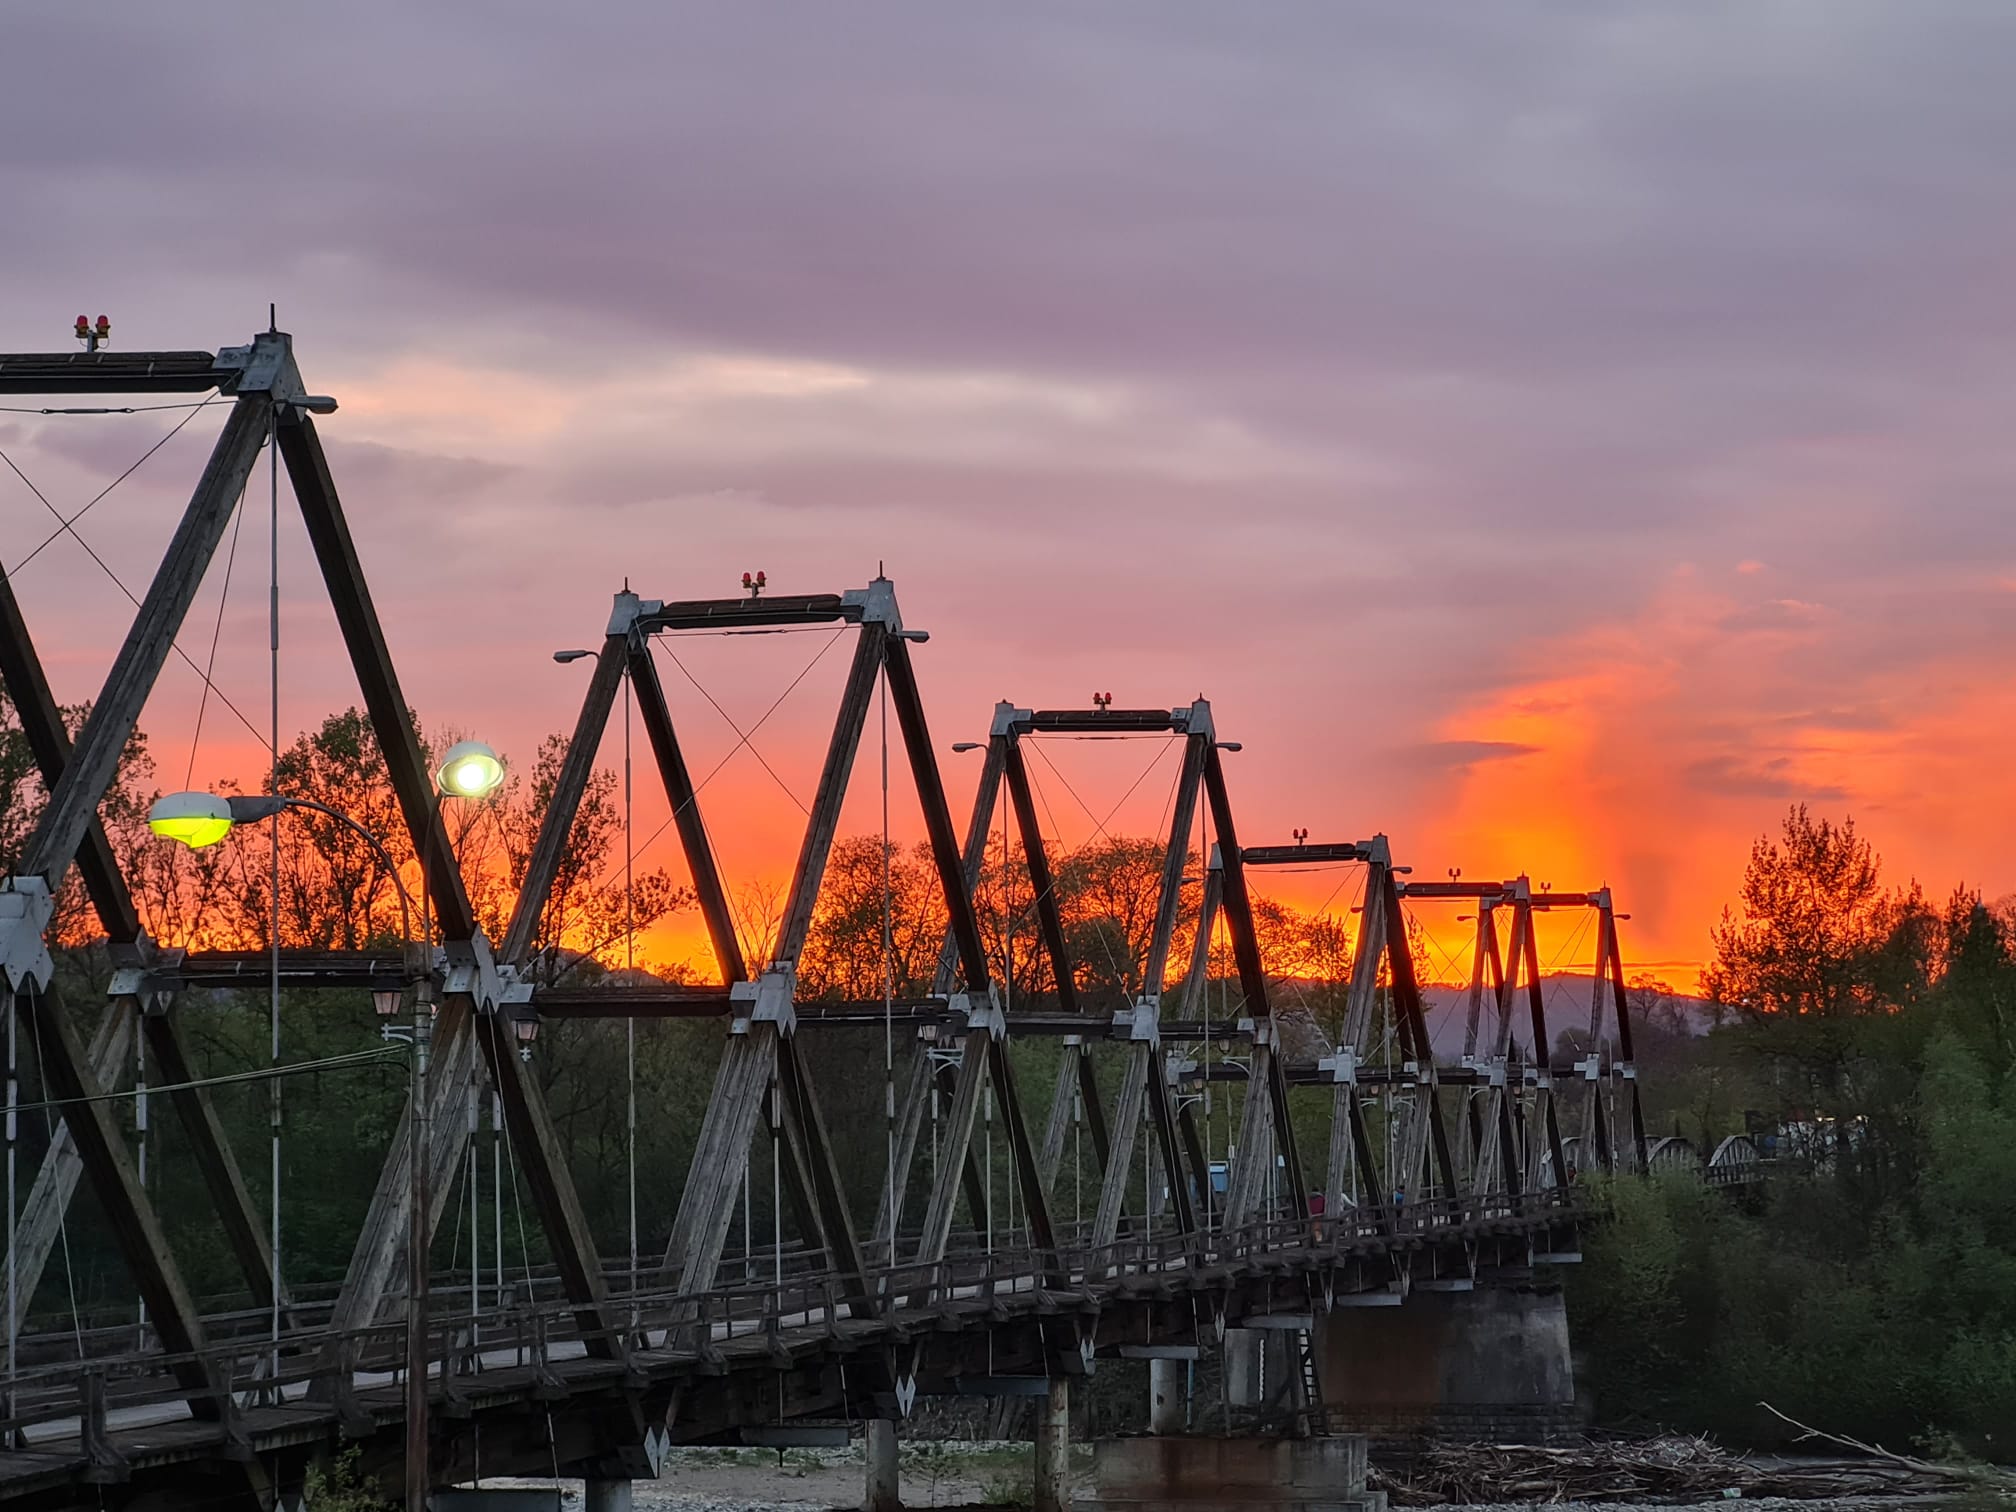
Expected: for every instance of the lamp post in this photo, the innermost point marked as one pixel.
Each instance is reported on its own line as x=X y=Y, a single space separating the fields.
x=469 y=769
x=202 y=819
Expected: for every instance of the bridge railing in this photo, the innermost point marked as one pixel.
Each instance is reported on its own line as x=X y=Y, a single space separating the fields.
x=83 y=1397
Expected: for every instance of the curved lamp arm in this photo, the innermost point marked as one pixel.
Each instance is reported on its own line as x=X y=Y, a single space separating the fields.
x=245 y=809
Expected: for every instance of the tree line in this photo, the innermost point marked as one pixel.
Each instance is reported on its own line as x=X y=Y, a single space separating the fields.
x=1867 y=1036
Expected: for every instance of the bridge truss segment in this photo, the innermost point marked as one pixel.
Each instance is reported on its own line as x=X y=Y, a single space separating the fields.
x=270 y=406
x=763 y=1071
x=1149 y=1090
x=1380 y=952
x=1513 y=1117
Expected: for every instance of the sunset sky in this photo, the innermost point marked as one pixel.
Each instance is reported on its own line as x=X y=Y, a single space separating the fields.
x=1557 y=436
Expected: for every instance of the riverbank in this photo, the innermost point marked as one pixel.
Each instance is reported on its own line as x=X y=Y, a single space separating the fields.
x=935 y=1475
x=950 y=1477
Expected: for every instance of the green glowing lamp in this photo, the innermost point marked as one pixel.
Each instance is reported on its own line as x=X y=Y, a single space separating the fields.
x=469 y=770
x=200 y=819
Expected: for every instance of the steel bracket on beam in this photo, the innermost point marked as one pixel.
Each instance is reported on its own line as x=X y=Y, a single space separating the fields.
x=469 y=967
x=133 y=967
x=25 y=911
x=1194 y=719
x=1341 y=1067
x=1142 y=1022
x=628 y=609
x=876 y=603
x=265 y=366
x=767 y=1000
x=985 y=1015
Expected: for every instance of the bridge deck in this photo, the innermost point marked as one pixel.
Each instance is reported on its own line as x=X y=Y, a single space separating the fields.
x=122 y=1417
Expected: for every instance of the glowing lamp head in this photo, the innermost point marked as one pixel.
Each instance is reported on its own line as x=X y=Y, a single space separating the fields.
x=191 y=819
x=83 y=326
x=469 y=770
x=104 y=325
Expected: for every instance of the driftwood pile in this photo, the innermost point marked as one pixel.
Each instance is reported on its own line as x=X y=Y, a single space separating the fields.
x=1670 y=1469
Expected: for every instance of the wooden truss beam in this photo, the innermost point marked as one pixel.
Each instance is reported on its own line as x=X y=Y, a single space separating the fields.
x=1268 y=1087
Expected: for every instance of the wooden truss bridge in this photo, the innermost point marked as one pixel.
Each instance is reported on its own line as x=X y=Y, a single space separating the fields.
x=1441 y=1167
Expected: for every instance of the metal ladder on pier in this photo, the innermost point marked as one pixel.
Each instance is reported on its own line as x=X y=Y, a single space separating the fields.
x=1312 y=1418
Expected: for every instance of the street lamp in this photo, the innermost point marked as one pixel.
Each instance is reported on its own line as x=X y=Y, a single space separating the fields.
x=469 y=770
x=198 y=820
x=202 y=819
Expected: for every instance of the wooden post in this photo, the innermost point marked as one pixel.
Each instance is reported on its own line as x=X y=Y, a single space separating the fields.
x=884 y=1492
x=1052 y=1490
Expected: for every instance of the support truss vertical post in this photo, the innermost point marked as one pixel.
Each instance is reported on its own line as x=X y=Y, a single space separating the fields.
x=1144 y=1080
x=556 y=825
x=42 y=725
x=973 y=854
x=1626 y=1052
x=753 y=1055
x=41 y=1220
x=66 y=1078
x=1426 y=1127
x=534 y=1143
x=1042 y=881
x=243 y=1231
x=1499 y=1155
x=993 y=1060
x=1545 y=1110
x=73 y=803
x=1268 y=1080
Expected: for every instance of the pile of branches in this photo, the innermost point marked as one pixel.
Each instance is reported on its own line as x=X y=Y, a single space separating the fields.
x=1673 y=1468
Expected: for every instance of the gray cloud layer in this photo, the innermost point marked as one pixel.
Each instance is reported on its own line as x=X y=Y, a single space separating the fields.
x=1442 y=332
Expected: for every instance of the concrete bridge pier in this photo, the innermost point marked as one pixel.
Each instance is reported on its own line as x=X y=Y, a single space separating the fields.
x=605 y=1496
x=884 y=1493
x=1259 y=1369
x=1168 y=1396
x=1052 y=1482
x=1492 y=1362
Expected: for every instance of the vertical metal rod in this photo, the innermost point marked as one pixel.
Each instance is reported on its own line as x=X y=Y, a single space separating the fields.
x=497 y=1191
x=1007 y=925
x=776 y=1182
x=475 y=1223
x=1147 y=1158
x=1007 y=1006
x=273 y=788
x=13 y=1236
x=630 y=967
x=418 y=1233
x=888 y=989
x=1207 y=922
x=140 y=1153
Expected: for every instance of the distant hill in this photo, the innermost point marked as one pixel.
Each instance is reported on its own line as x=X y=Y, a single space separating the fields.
x=1568 y=999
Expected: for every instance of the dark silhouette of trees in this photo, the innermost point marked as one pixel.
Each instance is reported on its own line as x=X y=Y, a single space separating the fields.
x=1818 y=936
